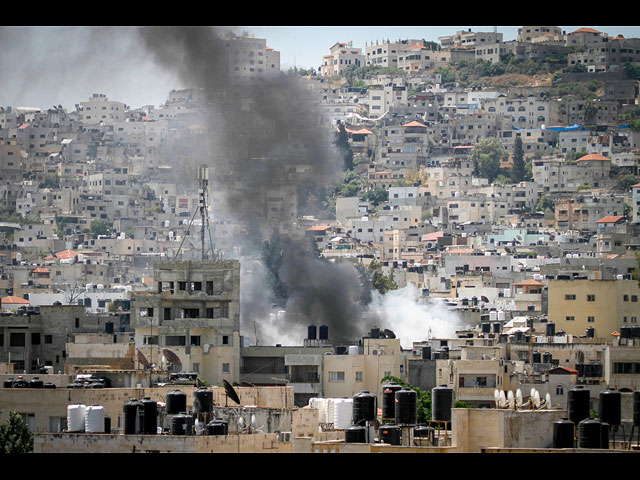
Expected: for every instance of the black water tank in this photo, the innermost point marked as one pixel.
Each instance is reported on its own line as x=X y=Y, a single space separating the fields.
x=426 y=352
x=131 y=417
x=364 y=407
x=591 y=332
x=311 y=332
x=7 y=383
x=202 y=400
x=49 y=385
x=217 y=426
x=441 y=403
x=107 y=424
x=422 y=431
x=181 y=424
x=375 y=332
x=604 y=435
x=355 y=434
x=589 y=434
x=537 y=356
x=389 y=400
x=610 y=407
x=406 y=410
x=636 y=408
x=626 y=332
x=324 y=332
x=486 y=327
x=496 y=327
x=546 y=357
x=578 y=404
x=563 y=433
x=551 y=329
x=391 y=434
x=149 y=416
x=176 y=402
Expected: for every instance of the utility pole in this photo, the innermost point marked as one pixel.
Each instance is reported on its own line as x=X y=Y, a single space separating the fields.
x=203 y=177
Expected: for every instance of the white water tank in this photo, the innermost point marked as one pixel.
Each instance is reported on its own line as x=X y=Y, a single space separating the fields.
x=353 y=350
x=321 y=405
x=493 y=315
x=76 y=417
x=94 y=419
x=342 y=413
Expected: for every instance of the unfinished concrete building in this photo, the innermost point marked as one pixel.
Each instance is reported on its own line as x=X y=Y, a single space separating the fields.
x=191 y=321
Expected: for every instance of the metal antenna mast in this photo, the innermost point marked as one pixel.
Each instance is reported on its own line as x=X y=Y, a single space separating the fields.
x=203 y=177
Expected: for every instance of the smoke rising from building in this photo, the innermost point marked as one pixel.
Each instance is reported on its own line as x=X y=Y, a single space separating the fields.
x=266 y=147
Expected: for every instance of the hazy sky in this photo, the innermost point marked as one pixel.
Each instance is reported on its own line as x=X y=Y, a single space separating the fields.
x=46 y=66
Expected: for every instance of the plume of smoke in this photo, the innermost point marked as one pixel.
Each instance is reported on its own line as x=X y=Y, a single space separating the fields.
x=410 y=320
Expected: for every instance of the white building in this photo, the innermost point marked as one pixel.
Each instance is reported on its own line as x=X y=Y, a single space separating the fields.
x=100 y=109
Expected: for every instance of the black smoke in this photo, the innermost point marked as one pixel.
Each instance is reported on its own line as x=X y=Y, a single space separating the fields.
x=267 y=146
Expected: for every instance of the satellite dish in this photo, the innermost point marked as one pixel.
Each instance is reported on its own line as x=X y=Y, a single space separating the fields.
x=536 y=400
x=548 y=400
x=518 y=397
x=496 y=397
x=503 y=399
x=142 y=359
x=484 y=299
x=510 y=397
x=171 y=357
x=231 y=393
x=389 y=333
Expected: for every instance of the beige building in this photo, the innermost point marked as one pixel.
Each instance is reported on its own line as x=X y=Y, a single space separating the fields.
x=194 y=314
x=605 y=305
x=346 y=375
x=342 y=56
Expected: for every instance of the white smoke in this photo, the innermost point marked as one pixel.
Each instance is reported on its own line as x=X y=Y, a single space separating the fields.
x=411 y=320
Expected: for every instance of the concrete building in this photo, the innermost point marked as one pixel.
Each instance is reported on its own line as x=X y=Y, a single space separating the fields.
x=342 y=56
x=193 y=312
x=604 y=305
x=100 y=109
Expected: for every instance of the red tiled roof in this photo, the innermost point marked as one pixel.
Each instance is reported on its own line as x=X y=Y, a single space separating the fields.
x=362 y=131
x=414 y=124
x=10 y=299
x=585 y=30
x=66 y=254
x=41 y=270
x=319 y=228
x=593 y=156
x=610 y=219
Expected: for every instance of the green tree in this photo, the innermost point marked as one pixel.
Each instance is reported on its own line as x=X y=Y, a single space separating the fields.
x=486 y=156
x=99 y=227
x=15 y=436
x=381 y=282
x=344 y=149
x=376 y=196
x=518 y=170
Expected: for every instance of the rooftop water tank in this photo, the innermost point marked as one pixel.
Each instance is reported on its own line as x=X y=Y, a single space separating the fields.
x=76 y=417
x=94 y=419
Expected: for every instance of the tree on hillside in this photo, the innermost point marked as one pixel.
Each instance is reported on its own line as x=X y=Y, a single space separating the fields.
x=344 y=149
x=15 y=436
x=518 y=170
x=486 y=156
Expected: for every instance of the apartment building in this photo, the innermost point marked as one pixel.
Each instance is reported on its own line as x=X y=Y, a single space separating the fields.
x=608 y=54
x=250 y=58
x=467 y=38
x=100 y=109
x=604 y=305
x=555 y=175
x=192 y=318
x=387 y=54
x=341 y=57
x=529 y=33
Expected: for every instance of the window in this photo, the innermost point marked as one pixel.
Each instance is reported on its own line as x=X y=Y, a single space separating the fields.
x=48 y=339
x=195 y=340
x=57 y=424
x=634 y=298
x=559 y=390
x=591 y=319
x=591 y=298
x=336 y=376
x=570 y=318
x=569 y=297
x=16 y=339
x=358 y=376
x=35 y=339
x=225 y=368
x=225 y=339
